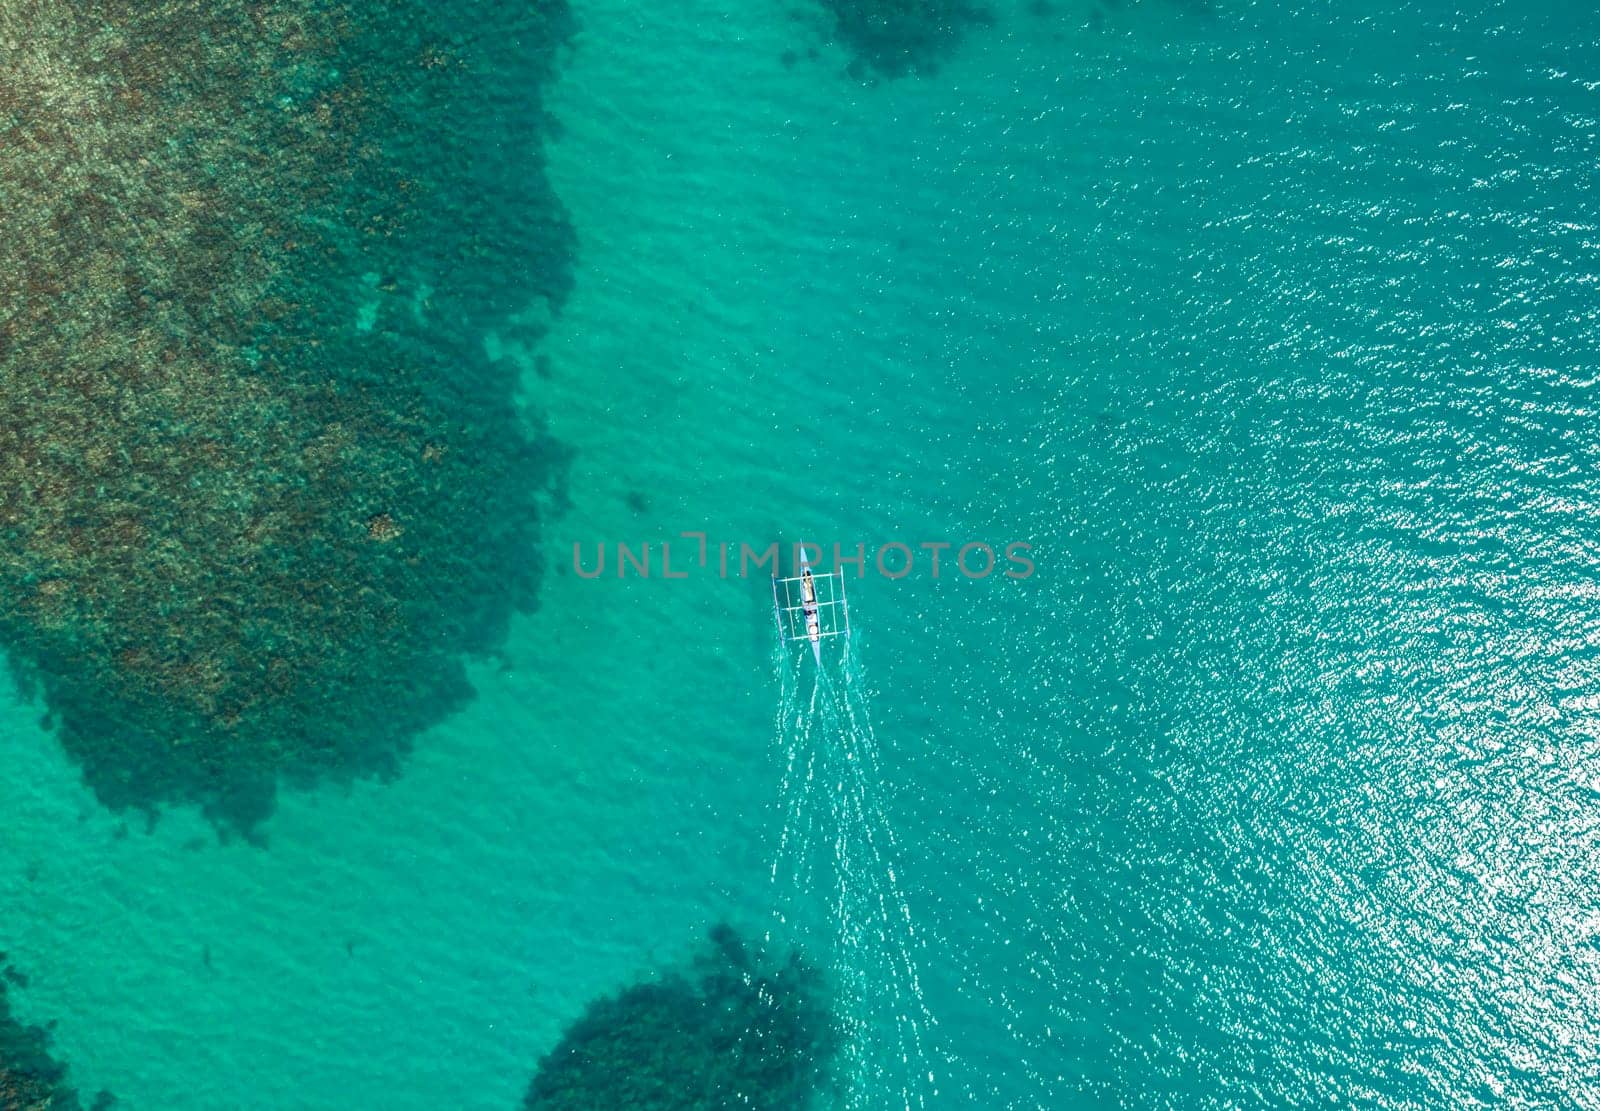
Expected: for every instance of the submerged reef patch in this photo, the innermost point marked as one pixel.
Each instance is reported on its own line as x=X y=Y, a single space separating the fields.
x=30 y=1079
x=733 y=1030
x=261 y=488
x=894 y=38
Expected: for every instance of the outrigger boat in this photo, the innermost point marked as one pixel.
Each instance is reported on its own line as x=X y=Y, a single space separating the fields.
x=806 y=613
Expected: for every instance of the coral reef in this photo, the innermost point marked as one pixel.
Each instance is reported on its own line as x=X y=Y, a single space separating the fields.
x=261 y=489
x=894 y=38
x=734 y=1030
x=29 y=1079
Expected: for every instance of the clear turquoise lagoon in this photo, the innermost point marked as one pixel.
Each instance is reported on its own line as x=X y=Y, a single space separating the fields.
x=1273 y=329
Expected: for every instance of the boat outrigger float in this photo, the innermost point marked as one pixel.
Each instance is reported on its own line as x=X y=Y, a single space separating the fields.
x=810 y=606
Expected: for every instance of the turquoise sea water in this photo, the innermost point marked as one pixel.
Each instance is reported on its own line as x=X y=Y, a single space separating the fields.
x=1271 y=328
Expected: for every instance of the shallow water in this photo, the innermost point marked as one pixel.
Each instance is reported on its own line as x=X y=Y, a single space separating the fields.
x=1271 y=330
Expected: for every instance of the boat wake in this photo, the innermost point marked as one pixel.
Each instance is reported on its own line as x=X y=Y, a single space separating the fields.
x=833 y=872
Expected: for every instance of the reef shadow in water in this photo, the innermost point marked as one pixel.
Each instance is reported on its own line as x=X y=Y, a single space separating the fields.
x=261 y=489
x=734 y=1030
x=30 y=1079
x=896 y=38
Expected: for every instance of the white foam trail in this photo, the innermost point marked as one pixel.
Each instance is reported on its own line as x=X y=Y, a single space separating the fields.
x=835 y=857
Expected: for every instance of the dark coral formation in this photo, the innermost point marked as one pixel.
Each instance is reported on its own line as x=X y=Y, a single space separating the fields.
x=260 y=486
x=30 y=1080
x=894 y=38
x=733 y=1031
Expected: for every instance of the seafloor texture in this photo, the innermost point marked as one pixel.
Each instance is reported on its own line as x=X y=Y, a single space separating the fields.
x=734 y=1030
x=260 y=487
x=896 y=38
x=30 y=1080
